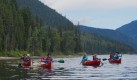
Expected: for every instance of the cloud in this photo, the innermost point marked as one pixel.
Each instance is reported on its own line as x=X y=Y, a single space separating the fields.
x=90 y=4
x=97 y=13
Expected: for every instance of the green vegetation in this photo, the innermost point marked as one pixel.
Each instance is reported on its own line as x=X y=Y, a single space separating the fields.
x=49 y=16
x=22 y=32
x=93 y=43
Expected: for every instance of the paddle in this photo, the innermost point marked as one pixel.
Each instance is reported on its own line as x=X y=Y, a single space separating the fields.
x=19 y=64
x=104 y=59
x=82 y=61
x=60 y=61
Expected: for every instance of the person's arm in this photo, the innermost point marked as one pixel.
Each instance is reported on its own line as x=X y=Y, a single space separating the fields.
x=28 y=58
x=86 y=58
x=120 y=56
x=82 y=59
x=51 y=60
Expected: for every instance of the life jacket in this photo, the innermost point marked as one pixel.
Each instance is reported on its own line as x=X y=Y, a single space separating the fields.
x=43 y=58
x=85 y=58
x=24 y=58
x=95 y=57
x=111 y=56
x=48 y=59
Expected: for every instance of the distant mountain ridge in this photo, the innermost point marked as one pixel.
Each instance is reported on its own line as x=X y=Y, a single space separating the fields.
x=49 y=16
x=111 y=34
x=129 y=29
x=53 y=19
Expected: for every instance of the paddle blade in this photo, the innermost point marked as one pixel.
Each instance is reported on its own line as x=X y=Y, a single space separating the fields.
x=61 y=61
x=104 y=59
x=19 y=65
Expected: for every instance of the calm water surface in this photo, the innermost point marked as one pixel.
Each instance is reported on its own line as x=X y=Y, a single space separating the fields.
x=72 y=70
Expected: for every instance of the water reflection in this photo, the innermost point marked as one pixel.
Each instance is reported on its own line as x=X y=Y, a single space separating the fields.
x=71 y=70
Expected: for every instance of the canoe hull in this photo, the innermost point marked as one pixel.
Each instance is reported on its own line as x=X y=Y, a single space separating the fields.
x=115 y=61
x=92 y=63
x=47 y=65
x=27 y=63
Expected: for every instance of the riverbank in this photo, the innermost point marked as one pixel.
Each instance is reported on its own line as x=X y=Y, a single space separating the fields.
x=8 y=58
x=39 y=57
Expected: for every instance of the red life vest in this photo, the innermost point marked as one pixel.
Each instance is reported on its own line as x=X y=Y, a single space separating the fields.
x=48 y=59
x=43 y=58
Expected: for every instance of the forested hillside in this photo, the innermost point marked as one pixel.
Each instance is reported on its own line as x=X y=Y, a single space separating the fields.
x=130 y=30
x=49 y=16
x=25 y=29
x=114 y=35
x=93 y=43
x=20 y=30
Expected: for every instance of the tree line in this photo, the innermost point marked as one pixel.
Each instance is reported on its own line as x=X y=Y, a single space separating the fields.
x=93 y=43
x=20 y=30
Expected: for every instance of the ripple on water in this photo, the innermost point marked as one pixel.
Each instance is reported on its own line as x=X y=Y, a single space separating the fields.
x=72 y=70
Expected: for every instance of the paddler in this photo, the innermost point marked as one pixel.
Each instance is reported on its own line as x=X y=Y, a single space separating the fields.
x=48 y=58
x=95 y=57
x=84 y=58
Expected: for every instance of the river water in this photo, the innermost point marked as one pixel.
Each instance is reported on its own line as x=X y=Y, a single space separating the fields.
x=72 y=70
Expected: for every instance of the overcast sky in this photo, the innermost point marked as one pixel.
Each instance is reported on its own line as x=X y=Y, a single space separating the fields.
x=108 y=14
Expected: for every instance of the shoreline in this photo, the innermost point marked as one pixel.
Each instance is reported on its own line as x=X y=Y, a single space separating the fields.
x=39 y=57
x=35 y=57
x=8 y=58
x=14 y=58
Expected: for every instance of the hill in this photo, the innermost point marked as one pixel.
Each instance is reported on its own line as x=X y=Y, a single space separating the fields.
x=129 y=30
x=111 y=34
x=22 y=31
x=53 y=19
x=49 y=16
x=94 y=43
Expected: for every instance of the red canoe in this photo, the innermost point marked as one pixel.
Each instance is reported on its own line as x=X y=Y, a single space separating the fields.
x=92 y=63
x=27 y=63
x=115 y=61
x=47 y=65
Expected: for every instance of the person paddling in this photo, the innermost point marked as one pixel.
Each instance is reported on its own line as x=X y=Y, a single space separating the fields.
x=28 y=57
x=84 y=58
x=43 y=58
x=48 y=58
x=95 y=57
x=26 y=60
x=111 y=56
x=117 y=56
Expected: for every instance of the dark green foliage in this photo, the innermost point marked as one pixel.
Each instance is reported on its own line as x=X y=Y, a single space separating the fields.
x=93 y=43
x=49 y=16
x=119 y=35
x=15 y=25
x=20 y=30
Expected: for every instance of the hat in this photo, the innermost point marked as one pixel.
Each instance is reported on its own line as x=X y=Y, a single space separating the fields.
x=28 y=54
